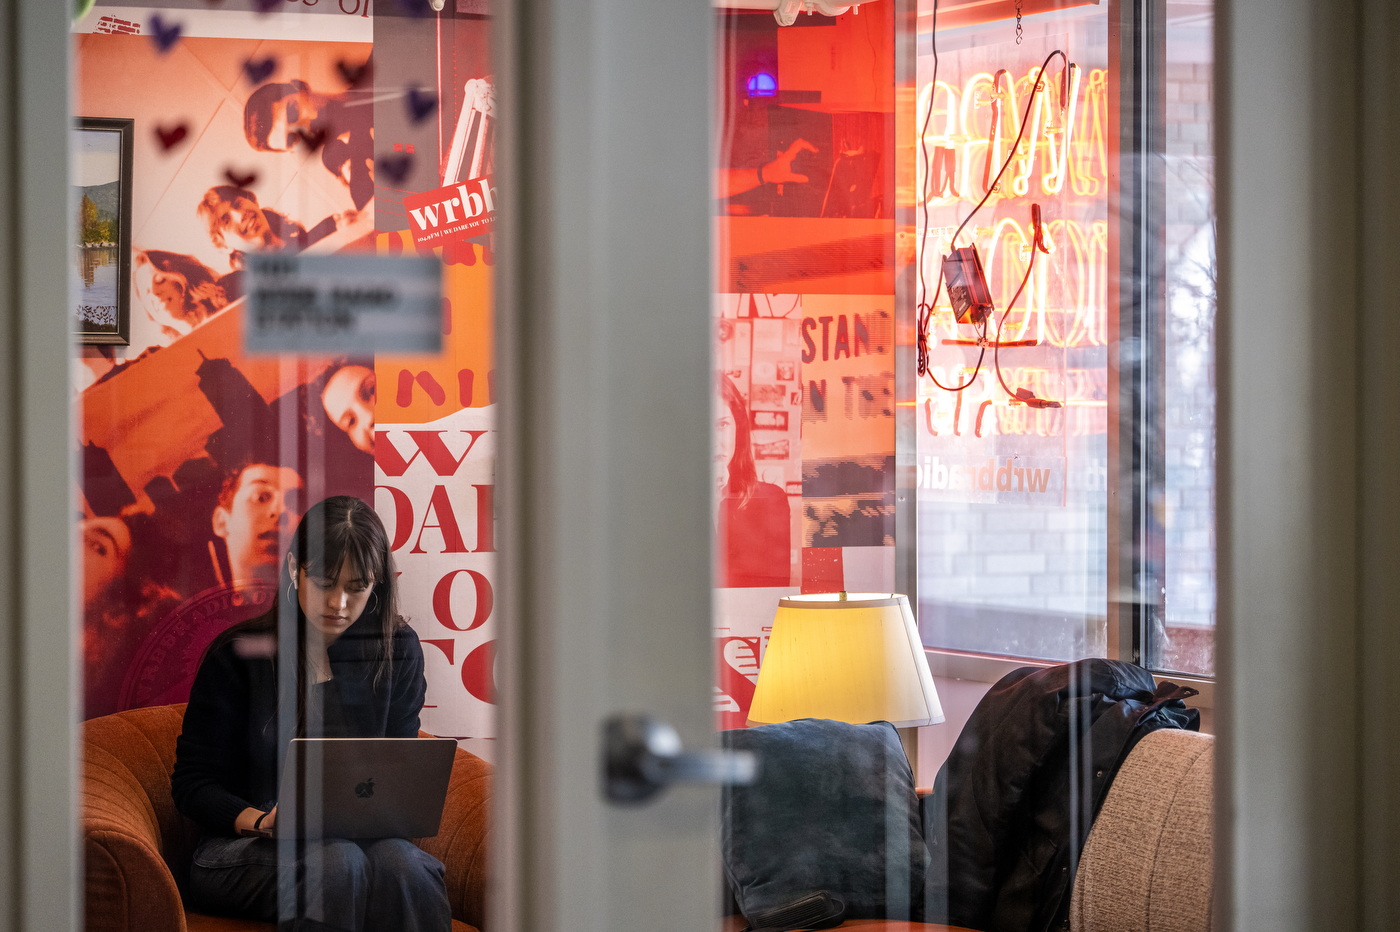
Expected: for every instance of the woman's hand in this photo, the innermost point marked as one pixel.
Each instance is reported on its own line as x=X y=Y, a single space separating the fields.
x=248 y=822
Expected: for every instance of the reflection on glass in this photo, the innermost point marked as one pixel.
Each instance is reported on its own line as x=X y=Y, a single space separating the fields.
x=1013 y=492
x=803 y=320
x=264 y=131
x=1187 y=644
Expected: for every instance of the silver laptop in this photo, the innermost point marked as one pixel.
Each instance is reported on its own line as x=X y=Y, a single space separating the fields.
x=364 y=787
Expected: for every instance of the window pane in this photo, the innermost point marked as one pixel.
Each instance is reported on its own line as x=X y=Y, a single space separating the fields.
x=1188 y=642
x=1013 y=495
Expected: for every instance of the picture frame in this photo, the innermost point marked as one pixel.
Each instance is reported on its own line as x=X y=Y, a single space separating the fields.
x=100 y=296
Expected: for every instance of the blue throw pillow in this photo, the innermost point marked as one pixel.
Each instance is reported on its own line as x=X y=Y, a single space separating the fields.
x=833 y=810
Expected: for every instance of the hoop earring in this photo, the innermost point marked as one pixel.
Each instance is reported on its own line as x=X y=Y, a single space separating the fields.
x=375 y=595
x=291 y=593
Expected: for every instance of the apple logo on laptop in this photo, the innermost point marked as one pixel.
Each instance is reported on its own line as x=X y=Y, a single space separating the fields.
x=365 y=790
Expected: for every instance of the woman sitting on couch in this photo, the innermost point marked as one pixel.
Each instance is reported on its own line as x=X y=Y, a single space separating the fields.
x=359 y=673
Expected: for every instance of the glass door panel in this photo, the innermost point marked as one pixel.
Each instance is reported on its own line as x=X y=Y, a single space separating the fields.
x=285 y=397
x=993 y=438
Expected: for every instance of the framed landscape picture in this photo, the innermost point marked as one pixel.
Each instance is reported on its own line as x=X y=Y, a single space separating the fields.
x=101 y=290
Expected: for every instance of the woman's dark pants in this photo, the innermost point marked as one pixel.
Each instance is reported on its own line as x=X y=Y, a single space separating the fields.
x=347 y=886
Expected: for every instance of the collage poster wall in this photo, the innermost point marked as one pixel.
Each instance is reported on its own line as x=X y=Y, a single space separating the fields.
x=804 y=323
x=281 y=131
x=321 y=131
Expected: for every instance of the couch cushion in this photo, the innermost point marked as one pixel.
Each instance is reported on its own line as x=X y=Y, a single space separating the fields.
x=1147 y=864
x=833 y=809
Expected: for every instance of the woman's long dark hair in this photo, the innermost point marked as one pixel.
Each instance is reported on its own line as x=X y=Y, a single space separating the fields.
x=333 y=533
x=743 y=476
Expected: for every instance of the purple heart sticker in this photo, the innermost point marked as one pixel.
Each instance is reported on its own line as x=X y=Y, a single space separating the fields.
x=259 y=71
x=164 y=34
x=420 y=104
x=394 y=167
x=353 y=74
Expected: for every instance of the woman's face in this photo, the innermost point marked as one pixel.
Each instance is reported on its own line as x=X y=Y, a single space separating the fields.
x=726 y=439
x=331 y=605
x=349 y=399
x=106 y=544
x=164 y=296
x=244 y=225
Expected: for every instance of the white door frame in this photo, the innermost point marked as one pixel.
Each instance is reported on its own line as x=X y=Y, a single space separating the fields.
x=39 y=866
x=603 y=355
x=1308 y=792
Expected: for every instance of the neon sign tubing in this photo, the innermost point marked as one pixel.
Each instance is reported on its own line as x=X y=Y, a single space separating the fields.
x=947 y=140
x=1003 y=102
x=1082 y=175
x=953 y=243
x=926 y=311
x=950 y=129
x=1052 y=182
x=1021 y=180
x=969 y=123
x=1025 y=396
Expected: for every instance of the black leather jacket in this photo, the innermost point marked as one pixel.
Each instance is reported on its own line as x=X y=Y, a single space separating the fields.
x=1014 y=802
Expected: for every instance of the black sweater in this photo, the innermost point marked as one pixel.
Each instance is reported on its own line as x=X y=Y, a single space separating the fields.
x=228 y=756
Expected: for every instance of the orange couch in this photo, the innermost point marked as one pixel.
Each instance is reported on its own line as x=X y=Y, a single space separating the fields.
x=1146 y=863
x=137 y=848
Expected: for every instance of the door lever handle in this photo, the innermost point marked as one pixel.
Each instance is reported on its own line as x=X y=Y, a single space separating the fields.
x=642 y=756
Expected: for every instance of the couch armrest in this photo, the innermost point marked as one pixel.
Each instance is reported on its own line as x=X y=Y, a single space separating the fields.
x=128 y=886
x=460 y=843
x=1147 y=861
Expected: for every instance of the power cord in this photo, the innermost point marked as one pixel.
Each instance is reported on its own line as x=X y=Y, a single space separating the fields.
x=925 y=308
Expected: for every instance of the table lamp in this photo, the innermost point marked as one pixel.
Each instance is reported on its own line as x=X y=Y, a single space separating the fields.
x=853 y=657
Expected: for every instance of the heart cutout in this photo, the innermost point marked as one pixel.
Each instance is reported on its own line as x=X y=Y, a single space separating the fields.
x=353 y=74
x=420 y=104
x=171 y=137
x=240 y=181
x=394 y=167
x=164 y=34
x=259 y=71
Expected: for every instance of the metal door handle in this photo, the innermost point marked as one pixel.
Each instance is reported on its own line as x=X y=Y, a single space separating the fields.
x=642 y=756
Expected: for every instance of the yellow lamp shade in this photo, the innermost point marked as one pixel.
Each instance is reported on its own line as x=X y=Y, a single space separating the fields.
x=855 y=659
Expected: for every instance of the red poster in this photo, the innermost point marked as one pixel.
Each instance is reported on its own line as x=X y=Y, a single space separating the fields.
x=452 y=214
